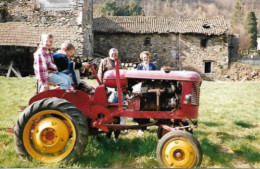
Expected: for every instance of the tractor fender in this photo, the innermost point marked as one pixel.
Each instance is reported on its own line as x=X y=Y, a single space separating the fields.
x=78 y=98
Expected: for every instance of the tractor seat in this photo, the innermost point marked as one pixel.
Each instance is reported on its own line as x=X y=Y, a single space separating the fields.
x=38 y=86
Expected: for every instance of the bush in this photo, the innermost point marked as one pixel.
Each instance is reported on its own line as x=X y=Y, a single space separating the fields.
x=127 y=9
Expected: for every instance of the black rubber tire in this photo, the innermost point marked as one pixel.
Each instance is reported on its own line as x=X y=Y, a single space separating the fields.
x=62 y=105
x=179 y=134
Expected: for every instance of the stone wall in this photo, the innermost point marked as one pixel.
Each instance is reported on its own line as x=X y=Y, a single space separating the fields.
x=241 y=72
x=30 y=11
x=253 y=60
x=206 y=55
x=164 y=47
x=80 y=16
x=87 y=28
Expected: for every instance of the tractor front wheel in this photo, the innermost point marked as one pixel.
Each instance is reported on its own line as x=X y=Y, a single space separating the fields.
x=179 y=149
x=51 y=130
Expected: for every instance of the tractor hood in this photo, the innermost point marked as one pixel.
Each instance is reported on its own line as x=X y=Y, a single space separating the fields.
x=160 y=75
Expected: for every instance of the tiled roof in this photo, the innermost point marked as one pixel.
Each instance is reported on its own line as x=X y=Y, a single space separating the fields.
x=25 y=34
x=157 y=24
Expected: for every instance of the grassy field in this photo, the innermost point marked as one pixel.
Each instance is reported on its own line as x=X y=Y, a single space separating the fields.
x=229 y=130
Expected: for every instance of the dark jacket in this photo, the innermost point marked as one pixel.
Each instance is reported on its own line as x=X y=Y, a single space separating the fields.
x=63 y=63
x=151 y=66
x=66 y=66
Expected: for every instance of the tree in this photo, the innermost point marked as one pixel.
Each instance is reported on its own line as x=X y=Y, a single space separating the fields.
x=109 y=9
x=134 y=9
x=251 y=29
x=244 y=43
x=112 y=9
x=237 y=15
x=4 y=13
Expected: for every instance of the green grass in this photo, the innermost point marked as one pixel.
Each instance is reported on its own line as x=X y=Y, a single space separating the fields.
x=229 y=130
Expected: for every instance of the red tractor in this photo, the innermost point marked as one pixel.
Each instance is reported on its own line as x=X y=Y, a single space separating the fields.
x=56 y=124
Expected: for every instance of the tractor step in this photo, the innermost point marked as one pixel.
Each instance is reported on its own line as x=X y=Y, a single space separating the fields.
x=22 y=108
x=10 y=130
x=113 y=104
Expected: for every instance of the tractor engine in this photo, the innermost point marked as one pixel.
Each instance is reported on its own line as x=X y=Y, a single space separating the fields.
x=156 y=95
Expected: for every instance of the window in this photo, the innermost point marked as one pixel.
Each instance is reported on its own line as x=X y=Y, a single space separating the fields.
x=203 y=43
x=208 y=67
x=147 y=41
x=56 y=4
x=206 y=26
x=155 y=56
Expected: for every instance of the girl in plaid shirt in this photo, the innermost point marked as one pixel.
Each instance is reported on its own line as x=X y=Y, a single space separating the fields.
x=45 y=69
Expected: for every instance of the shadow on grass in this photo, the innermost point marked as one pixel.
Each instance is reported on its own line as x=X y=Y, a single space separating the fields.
x=225 y=136
x=104 y=152
x=212 y=150
x=251 y=138
x=211 y=124
x=243 y=124
x=201 y=134
x=247 y=152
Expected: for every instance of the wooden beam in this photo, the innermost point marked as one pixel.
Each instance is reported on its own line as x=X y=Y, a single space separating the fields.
x=16 y=72
x=9 y=69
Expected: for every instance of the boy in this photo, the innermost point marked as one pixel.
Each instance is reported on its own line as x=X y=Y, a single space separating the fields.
x=62 y=60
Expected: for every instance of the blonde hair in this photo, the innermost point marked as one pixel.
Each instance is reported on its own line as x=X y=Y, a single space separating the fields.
x=67 y=46
x=44 y=37
x=147 y=53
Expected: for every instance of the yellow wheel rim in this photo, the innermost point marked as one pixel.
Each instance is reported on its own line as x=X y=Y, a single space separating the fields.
x=178 y=153
x=49 y=136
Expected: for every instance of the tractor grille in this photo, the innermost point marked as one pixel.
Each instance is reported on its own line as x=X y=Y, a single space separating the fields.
x=195 y=98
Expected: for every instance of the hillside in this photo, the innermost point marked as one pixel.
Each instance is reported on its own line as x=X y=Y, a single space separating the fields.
x=188 y=8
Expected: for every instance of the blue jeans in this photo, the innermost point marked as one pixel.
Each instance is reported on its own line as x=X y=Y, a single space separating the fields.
x=113 y=98
x=72 y=74
x=61 y=79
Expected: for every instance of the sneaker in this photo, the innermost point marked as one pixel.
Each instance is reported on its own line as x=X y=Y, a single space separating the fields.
x=114 y=140
x=84 y=87
x=124 y=131
x=140 y=132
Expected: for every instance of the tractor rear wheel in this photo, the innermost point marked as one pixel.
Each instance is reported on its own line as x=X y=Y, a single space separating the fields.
x=51 y=130
x=179 y=149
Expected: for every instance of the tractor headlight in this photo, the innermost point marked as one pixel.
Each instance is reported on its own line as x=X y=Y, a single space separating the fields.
x=187 y=98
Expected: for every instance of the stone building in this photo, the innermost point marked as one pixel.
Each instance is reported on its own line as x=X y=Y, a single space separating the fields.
x=192 y=44
x=23 y=21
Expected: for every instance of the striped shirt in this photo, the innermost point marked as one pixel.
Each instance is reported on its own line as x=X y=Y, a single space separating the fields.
x=44 y=65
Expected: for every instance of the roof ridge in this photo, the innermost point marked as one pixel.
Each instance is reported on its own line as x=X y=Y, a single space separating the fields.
x=160 y=24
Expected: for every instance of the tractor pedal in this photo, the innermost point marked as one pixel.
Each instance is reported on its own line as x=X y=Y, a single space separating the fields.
x=21 y=108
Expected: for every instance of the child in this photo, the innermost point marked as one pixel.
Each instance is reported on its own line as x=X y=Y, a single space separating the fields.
x=62 y=60
x=45 y=69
